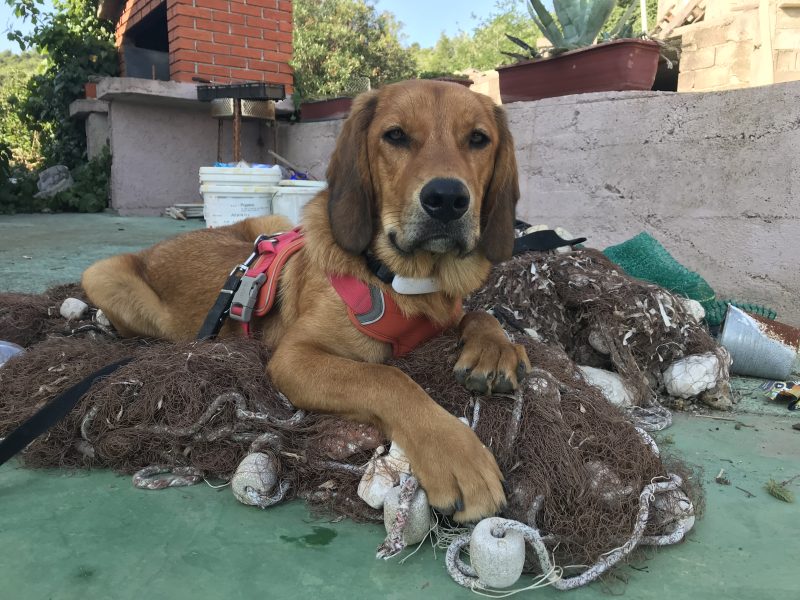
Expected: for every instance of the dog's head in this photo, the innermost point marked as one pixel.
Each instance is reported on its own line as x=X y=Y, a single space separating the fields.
x=424 y=168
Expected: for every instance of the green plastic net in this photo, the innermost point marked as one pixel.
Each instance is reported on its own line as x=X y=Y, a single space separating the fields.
x=645 y=258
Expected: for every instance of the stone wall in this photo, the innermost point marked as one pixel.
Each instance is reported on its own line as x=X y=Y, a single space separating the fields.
x=741 y=44
x=715 y=177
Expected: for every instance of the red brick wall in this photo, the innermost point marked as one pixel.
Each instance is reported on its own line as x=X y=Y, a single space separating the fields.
x=224 y=41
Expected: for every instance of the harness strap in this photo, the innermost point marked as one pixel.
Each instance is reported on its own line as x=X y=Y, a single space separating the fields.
x=215 y=318
x=258 y=287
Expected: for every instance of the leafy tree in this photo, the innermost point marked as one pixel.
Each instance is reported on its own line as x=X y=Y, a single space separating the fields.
x=338 y=40
x=622 y=6
x=483 y=47
x=78 y=46
x=15 y=72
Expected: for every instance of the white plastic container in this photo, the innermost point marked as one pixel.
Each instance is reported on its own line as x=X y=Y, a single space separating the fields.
x=231 y=194
x=292 y=195
x=225 y=205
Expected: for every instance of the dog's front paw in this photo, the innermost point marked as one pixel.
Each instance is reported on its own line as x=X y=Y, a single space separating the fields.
x=489 y=362
x=456 y=470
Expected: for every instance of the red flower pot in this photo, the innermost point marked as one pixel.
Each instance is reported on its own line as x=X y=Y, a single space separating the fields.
x=610 y=67
x=325 y=110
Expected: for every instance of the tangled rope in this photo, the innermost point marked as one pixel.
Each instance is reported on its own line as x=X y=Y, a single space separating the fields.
x=466 y=576
x=394 y=542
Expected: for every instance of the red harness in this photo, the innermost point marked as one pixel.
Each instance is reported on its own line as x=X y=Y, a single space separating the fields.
x=376 y=314
x=371 y=310
x=259 y=285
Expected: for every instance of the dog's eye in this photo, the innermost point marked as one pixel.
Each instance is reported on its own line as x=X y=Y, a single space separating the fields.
x=396 y=136
x=478 y=139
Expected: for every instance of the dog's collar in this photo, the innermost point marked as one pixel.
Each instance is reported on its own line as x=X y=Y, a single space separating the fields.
x=409 y=286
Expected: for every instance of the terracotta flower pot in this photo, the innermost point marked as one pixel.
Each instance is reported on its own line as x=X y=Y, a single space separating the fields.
x=325 y=110
x=610 y=67
x=90 y=90
x=459 y=80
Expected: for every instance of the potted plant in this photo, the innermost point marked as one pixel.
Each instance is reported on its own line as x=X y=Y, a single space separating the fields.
x=576 y=63
x=326 y=107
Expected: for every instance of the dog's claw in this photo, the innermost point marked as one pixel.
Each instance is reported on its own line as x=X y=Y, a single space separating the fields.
x=493 y=365
x=522 y=371
x=461 y=375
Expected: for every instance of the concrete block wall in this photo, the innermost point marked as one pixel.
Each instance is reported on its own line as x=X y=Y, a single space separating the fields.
x=741 y=44
x=224 y=41
x=719 y=54
x=714 y=177
x=786 y=43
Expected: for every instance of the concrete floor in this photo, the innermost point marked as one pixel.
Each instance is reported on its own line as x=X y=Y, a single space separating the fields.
x=91 y=535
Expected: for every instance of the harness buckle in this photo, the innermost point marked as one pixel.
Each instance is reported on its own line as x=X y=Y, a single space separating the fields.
x=244 y=300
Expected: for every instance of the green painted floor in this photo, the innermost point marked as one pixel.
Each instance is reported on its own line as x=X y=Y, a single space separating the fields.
x=92 y=536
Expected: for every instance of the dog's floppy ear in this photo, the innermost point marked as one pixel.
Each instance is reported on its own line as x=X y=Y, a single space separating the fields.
x=350 y=193
x=500 y=201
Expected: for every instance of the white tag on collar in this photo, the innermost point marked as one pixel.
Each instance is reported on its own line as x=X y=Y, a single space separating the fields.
x=412 y=286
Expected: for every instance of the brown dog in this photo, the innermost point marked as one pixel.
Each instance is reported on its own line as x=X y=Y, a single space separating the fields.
x=424 y=177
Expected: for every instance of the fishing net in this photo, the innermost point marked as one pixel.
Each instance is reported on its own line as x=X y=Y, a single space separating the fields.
x=645 y=258
x=583 y=304
x=574 y=463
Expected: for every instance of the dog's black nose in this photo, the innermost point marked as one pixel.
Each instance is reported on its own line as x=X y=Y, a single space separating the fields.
x=444 y=199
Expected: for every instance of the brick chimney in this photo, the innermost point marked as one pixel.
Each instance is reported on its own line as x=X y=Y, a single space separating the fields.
x=222 y=41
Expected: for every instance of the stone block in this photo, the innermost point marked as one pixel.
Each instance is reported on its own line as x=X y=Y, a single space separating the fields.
x=743 y=27
x=718 y=9
x=786 y=39
x=731 y=52
x=686 y=81
x=787 y=18
x=784 y=76
x=785 y=60
x=711 y=35
x=688 y=41
x=742 y=70
x=699 y=59
x=712 y=78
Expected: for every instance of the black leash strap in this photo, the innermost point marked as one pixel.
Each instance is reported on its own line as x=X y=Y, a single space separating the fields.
x=546 y=239
x=52 y=413
x=216 y=317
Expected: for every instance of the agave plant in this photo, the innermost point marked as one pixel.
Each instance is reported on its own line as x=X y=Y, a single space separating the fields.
x=579 y=24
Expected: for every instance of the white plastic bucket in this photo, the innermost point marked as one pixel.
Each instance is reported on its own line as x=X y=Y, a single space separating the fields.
x=292 y=195
x=228 y=204
x=231 y=194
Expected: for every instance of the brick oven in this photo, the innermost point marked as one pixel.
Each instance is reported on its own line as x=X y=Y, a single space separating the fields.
x=158 y=131
x=204 y=40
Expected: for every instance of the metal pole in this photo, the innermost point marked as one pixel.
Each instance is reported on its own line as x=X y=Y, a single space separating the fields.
x=643 y=9
x=237 y=130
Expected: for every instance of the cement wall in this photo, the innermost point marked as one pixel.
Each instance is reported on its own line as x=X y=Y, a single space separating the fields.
x=715 y=177
x=158 y=150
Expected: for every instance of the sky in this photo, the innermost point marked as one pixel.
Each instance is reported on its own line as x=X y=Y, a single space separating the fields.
x=423 y=20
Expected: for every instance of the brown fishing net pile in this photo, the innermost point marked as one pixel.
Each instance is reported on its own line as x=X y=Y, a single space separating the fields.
x=29 y=318
x=558 y=437
x=584 y=304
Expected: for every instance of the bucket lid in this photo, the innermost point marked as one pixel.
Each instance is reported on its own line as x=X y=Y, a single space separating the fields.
x=271 y=171
x=304 y=183
x=239 y=188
